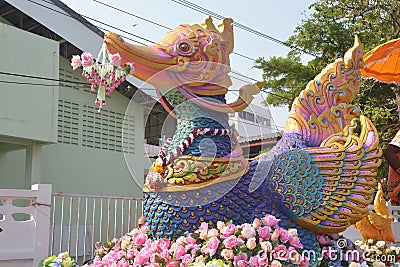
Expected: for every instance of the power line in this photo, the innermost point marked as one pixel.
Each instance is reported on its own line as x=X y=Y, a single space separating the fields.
x=205 y=11
x=108 y=25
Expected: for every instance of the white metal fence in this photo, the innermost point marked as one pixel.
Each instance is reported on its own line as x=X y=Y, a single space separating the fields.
x=78 y=221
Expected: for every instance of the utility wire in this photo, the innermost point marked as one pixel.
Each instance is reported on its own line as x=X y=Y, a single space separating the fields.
x=205 y=11
x=108 y=25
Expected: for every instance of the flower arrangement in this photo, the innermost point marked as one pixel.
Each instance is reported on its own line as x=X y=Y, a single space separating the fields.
x=104 y=74
x=62 y=260
x=339 y=251
x=378 y=253
x=262 y=243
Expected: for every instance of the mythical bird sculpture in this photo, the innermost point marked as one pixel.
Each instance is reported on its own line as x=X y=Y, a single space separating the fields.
x=319 y=178
x=377 y=225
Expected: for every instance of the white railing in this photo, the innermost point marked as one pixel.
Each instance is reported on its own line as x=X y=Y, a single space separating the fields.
x=24 y=224
x=79 y=221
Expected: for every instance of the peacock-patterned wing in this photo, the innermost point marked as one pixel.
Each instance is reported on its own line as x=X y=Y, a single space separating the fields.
x=328 y=188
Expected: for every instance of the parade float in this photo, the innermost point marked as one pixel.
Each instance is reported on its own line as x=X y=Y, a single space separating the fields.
x=206 y=203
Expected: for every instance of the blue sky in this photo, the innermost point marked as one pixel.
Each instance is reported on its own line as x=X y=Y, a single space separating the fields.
x=277 y=19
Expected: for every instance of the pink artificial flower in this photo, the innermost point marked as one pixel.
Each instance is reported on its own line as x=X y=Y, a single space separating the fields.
x=140 y=239
x=123 y=263
x=76 y=62
x=179 y=251
x=200 y=259
x=323 y=239
x=212 y=245
x=131 y=68
x=228 y=230
x=263 y=259
x=203 y=234
x=251 y=243
x=130 y=253
x=254 y=261
x=280 y=252
x=153 y=264
x=141 y=258
x=242 y=263
x=241 y=258
x=284 y=235
x=186 y=259
x=227 y=254
x=87 y=59
x=248 y=231
x=256 y=223
x=293 y=232
x=275 y=263
x=213 y=232
x=163 y=244
x=304 y=262
x=275 y=235
x=295 y=242
x=220 y=225
x=264 y=233
x=266 y=246
x=190 y=240
x=172 y=263
x=230 y=241
x=270 y=220
x=115 y=59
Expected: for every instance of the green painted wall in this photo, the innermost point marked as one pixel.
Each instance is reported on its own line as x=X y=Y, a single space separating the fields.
x=88 y=156
x=28 y=111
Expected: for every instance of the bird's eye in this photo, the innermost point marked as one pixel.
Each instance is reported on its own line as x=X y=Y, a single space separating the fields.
x=185 y=48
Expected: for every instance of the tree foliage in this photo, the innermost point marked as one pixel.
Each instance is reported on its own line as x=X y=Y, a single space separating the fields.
x=328 y=32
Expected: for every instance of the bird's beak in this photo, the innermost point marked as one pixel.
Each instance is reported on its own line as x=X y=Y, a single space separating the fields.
x=147 y=60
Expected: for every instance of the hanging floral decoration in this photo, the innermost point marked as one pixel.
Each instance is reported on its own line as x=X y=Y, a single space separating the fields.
x=104 y=73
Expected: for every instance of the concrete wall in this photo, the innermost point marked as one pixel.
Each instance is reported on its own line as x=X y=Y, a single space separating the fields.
x=28 y=111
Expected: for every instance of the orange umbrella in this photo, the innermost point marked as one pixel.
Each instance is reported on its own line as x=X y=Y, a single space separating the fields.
x=383 y=62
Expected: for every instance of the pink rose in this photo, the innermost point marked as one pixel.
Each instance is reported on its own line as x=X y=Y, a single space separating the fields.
x=200 y=259
x=304 y=262
x=264 y=232
x=186 y=259
x=203 y=234
x=242 y=258
x=220 y=225
x=275 y=263
x=227 y=254
x=295 y=242
x=228 y=230
x=212 y=245
x=293 y=232
x=284 y=235
x=123 y=263
x=275 y=235
x=256 y=223
x=163 y=244
x=242 y=263
x=213 y=232
x=254 y=261
x=190 y=240
x=251 y=243
x=115 y=59
x=179 y=252
x=280 y=253
x=87 y=59
x=248 y=231
x=323 y=239
x=130 y=68
x=270 y=220
x=230 y=241
x=266 y=246
x=140 y=239
x=76 y=62
x=141 y=258
x=172 y=263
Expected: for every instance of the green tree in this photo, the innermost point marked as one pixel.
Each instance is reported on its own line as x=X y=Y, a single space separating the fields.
x=328 y=32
